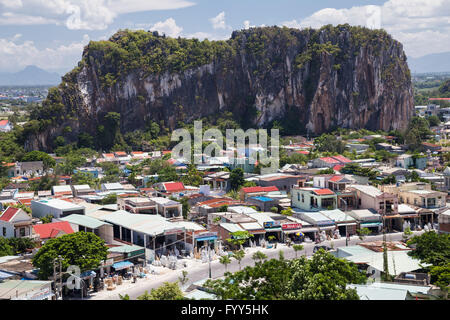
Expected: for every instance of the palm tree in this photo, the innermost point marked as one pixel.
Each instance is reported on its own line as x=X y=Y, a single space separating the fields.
x=225 y=260
x=297 y=247
x=259 y=256
x=239 y=255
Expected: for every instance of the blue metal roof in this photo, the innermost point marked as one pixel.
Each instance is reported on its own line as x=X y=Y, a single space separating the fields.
x=260 y=198
x=122 y=265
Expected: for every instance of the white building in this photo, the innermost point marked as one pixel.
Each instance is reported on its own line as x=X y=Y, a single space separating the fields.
x=56 y=207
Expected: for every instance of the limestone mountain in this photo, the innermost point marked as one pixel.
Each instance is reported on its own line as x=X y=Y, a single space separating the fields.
x=307 y=80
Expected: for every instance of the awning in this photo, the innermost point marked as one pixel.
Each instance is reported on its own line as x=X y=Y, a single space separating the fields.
x=206 y=238
x=410 y=216
x=122 y=265
x=262 y=231
x=371 y=224
x=327 y=228
x=346 y=224
x=306 y=230
x=273 y=229
x=88 y=274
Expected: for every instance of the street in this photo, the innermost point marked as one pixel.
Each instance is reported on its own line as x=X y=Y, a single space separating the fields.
x=217 y=269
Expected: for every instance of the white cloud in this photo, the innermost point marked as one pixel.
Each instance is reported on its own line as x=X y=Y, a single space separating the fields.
x=168 y=27
x=423 y=26
x=218 y=22
x=9 y=18
x=78 y=14
x=16 y=55
x=13 y=4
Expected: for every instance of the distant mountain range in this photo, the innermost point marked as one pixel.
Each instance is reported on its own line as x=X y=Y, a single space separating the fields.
x=437 y=62
x=30 y=76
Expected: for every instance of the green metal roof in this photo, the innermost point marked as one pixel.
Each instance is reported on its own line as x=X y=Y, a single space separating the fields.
x=85 y=221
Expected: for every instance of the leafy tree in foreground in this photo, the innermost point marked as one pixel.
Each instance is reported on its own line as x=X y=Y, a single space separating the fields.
x=323 y=277
x=168 y=291
x=83 y=249
x=440 y=276
x=431 y=247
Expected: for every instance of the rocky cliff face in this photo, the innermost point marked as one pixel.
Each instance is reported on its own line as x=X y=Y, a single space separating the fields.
x=308 y=80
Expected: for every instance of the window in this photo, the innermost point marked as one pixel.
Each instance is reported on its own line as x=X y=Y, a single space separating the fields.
x=4 y=231
x=303 y=198
x=22 y=232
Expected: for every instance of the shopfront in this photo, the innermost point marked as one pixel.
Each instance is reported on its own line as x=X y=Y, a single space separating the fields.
x=375 y=227
x=292 y=231
x=328 y=227
x=256 y=230
x=309 y=233
x=273 y=229
x=205 y=238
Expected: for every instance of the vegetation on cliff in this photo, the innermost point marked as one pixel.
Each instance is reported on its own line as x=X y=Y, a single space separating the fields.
x=148 y=54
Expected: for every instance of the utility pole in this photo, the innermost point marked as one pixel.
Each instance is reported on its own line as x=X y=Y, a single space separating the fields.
x=209 y=259
x=346 y=230
x=58 y=288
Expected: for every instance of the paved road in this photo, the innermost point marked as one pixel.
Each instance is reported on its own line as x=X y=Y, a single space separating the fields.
x=217 y=269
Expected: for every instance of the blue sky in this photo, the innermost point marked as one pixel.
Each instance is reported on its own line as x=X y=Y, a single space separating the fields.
x=52 y=33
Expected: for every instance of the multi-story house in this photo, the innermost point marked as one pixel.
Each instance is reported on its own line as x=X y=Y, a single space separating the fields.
x=313 y=199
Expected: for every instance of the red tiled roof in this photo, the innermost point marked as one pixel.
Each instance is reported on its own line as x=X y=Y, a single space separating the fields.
x=329 y=160
x=26 y=201
x=51 y=230
x=342 y=159
x=3 y=122
x=9 y=164
x=137 y=152
x=173 y=186
x=338 y=167
x=323 y=192
x=336 y=178
x=259 y=189
x=215 y=200
x=166 y=152
x=8 y=214
x=302 y=152
x=108 y=155
x=171 y=161
x=427 y=144
x=120 y=153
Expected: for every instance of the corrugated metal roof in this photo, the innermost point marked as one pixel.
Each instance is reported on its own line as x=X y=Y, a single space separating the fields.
x=231 y=227
x=251 y=226
x=85 y=221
